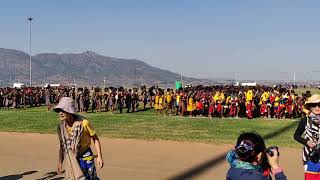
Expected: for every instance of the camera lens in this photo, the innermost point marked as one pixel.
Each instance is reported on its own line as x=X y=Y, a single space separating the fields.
x=270 y=152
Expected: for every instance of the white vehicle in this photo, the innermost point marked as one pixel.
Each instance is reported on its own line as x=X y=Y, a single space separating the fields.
x=236 y=84
x=249 y=84
x=245 y=84
x=51 y=85
x=188 y=85
x=18 y=85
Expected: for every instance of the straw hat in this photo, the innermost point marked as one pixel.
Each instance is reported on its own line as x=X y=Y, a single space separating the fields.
x=67 y=105
x=313 y=99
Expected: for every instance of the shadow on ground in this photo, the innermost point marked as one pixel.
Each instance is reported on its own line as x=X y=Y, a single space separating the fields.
x=51 y=176
x=17 y=176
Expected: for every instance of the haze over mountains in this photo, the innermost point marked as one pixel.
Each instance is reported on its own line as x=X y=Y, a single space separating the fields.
x=85 y=68
x=89 y=68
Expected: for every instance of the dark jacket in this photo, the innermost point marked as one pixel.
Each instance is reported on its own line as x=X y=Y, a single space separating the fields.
x=250 y=174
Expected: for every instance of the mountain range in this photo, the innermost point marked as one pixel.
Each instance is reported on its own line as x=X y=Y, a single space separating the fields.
x=87 y=68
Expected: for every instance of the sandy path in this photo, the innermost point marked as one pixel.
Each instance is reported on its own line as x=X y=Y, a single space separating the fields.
x=124 y=158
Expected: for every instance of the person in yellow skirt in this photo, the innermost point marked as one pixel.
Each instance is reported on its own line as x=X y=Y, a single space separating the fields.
x=169 y=101
x=219 y=99
x=177 y=101
x=158 y=102
x=191 y=105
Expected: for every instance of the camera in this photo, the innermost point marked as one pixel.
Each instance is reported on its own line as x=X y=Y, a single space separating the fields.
x=270 y=152
x=314 y=155
x=265 y=162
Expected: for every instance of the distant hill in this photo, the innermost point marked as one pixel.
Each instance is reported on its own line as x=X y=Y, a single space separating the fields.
x=87 y=68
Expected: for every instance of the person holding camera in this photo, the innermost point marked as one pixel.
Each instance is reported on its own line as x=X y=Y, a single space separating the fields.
x=251 y=160
x=307 y=133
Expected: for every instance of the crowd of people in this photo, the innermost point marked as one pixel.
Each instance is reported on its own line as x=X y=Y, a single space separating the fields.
x=230 y=101
x=250 y=159
x=210 y=101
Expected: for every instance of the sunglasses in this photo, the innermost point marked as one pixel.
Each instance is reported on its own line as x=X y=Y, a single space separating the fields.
x=312 y=105
x=244 y=148
x=60 y=111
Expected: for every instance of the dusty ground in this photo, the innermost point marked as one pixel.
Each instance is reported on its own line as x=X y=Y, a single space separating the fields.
x=34 y=156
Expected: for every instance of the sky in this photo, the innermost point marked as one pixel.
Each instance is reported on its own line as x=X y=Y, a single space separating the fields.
x=241 y=39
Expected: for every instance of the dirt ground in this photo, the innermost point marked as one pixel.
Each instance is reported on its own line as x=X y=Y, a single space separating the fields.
x=34 y=156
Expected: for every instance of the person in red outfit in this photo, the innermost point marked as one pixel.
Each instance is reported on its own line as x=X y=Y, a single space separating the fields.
x=249 y=110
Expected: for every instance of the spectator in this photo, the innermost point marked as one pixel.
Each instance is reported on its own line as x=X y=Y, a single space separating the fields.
x=309 y=126
x=75 y=136
x=247 y=162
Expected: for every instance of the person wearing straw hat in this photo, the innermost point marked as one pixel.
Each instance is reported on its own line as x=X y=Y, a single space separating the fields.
x=310 y=127
x=75 y=135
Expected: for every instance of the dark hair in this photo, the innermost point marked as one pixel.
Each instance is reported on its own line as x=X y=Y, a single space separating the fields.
x=308 y=94
x=75 y=116
x=257 y=141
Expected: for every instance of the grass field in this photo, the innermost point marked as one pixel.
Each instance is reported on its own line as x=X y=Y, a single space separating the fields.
x=146 y=125
x=303 y=90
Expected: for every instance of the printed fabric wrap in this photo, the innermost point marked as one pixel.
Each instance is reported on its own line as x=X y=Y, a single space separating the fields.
x=312 y=171
x=86 y=162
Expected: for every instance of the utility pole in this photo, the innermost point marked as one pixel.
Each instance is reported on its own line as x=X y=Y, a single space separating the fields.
x=135 y=76
x=30 y=67
x=294 y=80
x=236 y=77
x=74 y=81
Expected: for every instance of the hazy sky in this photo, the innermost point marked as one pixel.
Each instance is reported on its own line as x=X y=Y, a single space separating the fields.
x=198 y=38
